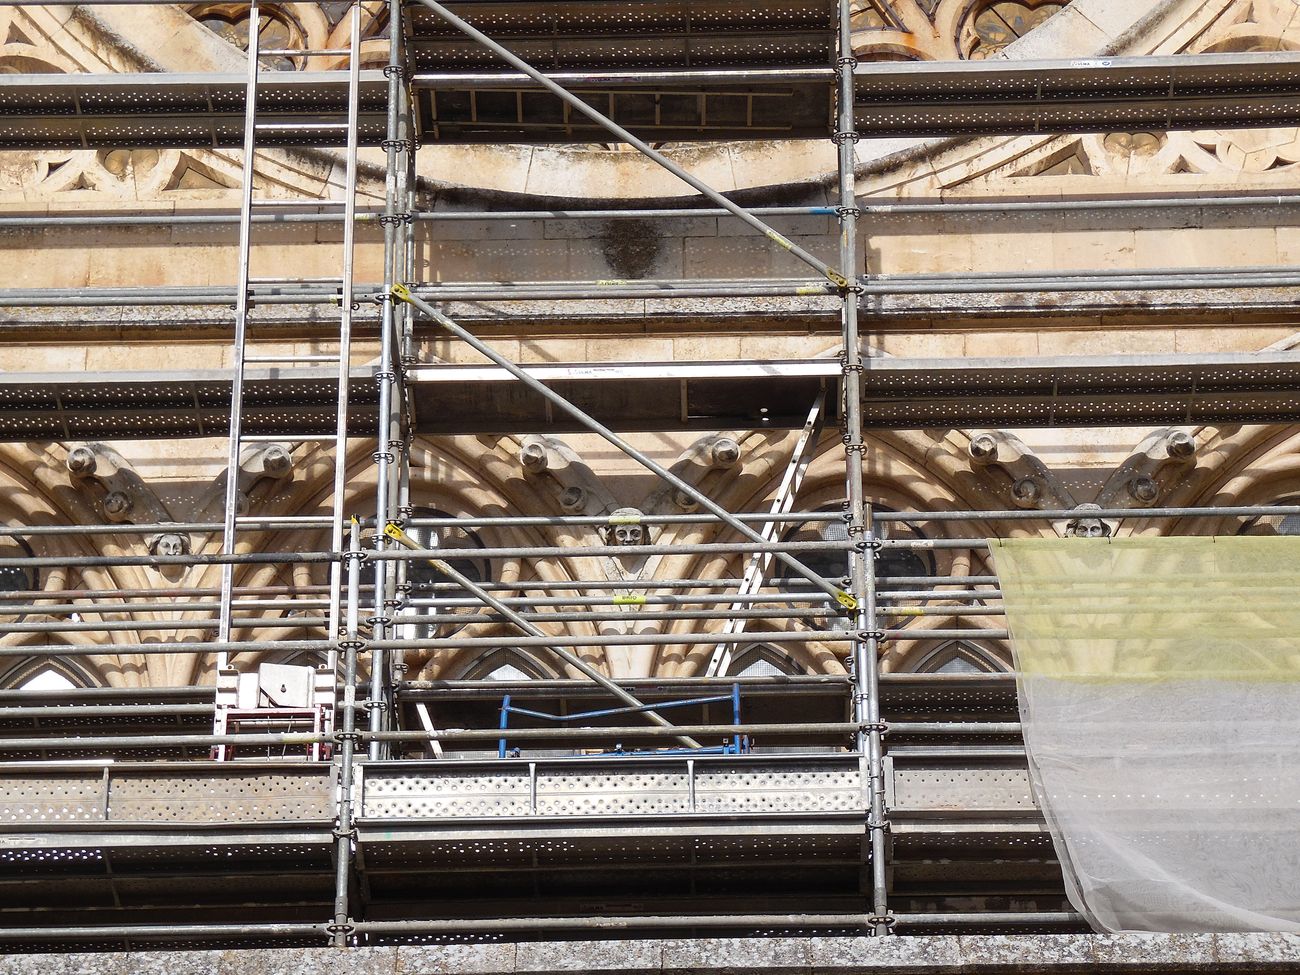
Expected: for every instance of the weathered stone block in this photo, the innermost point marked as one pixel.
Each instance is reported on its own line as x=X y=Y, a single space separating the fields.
x=620 y=957
x=737 y=956
x=1027 y=953
x=874 y=956
x=1259 y=952
x=480 y=959
x=1155 y=952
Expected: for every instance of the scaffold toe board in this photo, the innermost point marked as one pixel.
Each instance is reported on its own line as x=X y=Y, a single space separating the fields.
x=308 y=108
x=924 y=98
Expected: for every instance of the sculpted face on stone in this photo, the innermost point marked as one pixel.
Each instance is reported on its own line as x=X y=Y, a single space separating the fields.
x=170 y=543
x=1085 y=527
x=631 y=532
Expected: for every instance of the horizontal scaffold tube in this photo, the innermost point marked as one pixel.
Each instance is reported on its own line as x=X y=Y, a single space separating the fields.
x=452 y=735
x=157 y=649
x=1215 y=511
x=166 y=932
x=616 y=640
x=608 y=923
x=41 y=220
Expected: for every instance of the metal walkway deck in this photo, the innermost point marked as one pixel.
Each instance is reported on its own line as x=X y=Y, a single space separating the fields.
x=745 y=74
x=899 y=393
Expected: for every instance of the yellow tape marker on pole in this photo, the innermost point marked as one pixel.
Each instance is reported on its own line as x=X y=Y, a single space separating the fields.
x=629 y=600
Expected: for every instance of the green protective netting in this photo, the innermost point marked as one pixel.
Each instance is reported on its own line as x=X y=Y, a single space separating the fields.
x=1160 y=697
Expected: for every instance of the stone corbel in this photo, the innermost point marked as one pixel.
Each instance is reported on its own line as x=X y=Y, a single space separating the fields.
x=1157 y=467
x=1011 y=470
x=272 y=461
x=122 y=495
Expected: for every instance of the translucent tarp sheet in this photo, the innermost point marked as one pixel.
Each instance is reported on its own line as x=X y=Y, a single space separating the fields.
x=1160 y=698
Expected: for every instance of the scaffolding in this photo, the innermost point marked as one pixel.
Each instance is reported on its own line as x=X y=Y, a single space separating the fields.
x=365 y=810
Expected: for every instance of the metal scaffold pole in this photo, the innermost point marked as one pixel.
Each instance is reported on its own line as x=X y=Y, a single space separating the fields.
x=390 y=450
x=347 y=737
x=862 y=567
x=242 y=295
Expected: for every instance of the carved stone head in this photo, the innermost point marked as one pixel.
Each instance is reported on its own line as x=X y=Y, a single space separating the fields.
x=1085 y=527
x=626 y=528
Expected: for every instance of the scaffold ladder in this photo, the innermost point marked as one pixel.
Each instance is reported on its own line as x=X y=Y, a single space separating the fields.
x=240 y=440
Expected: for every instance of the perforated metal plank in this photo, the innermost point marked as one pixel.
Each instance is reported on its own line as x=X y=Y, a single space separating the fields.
x=47 y=406
x=179 y=110
x=1090 y=95
x=640 y=787
x=557 y=842
x=555 y=36
x=1083 y=391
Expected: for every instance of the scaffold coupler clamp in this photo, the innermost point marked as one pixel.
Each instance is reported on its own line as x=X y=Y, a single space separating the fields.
x=865 y=636
x=401 y=292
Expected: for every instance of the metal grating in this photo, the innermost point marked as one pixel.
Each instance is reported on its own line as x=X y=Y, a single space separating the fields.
x=92 y=406
x=220 y=796
x=1090 y=95
x=52 y=797
x=307 y=108
x=624 y=788
x=1083 y=391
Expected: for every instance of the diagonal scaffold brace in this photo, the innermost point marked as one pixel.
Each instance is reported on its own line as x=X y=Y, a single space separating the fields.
x=577 y=104
x=403 y=293
x=572 y=659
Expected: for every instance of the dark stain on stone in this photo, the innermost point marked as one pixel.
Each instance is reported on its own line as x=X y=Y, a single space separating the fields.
x=631 y=247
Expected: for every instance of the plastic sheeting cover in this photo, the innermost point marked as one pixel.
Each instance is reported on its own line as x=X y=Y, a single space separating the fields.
x=1160 y=699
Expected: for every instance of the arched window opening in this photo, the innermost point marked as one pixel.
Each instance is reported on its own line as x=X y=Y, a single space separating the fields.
x=505 y=665
x=762 y=661
x=16 y=579
x=39 y=674
x=1274 y=524
x=833 y=563
x=427 y=583
x=958 y=657
x=275 y=30
x=993 y=26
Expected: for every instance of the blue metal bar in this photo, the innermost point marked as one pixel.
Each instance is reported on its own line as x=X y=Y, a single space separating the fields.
x=505 y=721
x=735 y=704
x=505 y=706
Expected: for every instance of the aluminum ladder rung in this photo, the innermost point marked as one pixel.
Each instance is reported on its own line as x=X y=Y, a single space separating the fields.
x=297 y=52
x=273 y=204
x=283 y=437
x=291 y=358
x=299 y=126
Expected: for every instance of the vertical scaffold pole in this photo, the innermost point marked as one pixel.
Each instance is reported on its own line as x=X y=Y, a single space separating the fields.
x=860 y=526
x=387 y=379
x=344 y=839
x=231 y=511
x=345 y=319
